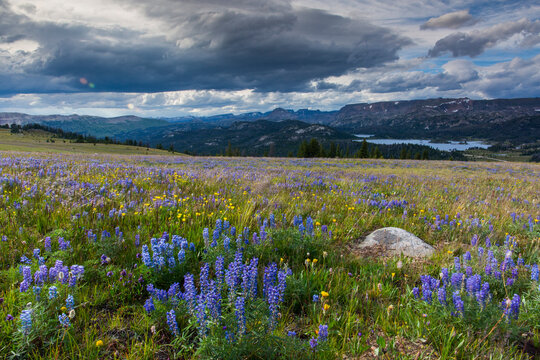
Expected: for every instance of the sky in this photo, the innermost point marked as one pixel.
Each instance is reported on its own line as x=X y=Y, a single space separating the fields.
x=167 y=58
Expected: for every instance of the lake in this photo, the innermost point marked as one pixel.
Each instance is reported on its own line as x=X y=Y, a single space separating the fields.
x=451 y=145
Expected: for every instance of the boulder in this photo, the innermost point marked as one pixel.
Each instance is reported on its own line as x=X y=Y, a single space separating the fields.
x=391 y=241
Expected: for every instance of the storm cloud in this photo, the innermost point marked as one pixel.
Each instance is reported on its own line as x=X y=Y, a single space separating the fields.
x=266 y=46
x=171 y=57
x=476 y=42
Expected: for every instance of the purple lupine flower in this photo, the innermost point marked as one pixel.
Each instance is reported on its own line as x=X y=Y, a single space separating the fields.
x=48 y=243
x=488 y=242
x=190 y=293
x=76 y=273
x=40 y=276
x=269 y=277
x=480 y=252
x=213 y=300
x=315 y=298
x=219 y=266
x=468 y=271
x=281 y=284
x=457 y=264
x=226 y=243
x=458 y=303
x=64 y=320
x=514 y=272
x=27 y=274
x=273 y=302
x=416 y=292
x=444 y=275
x=309 y=226
x=149 y=305
x=233 y=274
x=467 y=257
x=474 y=240
x=37 y=291
x=174 y=289
x=201 y=315
x=441 y=294
x=63 y=244
x=313 y=343
x=483 y=295
x=472 y=284
x=53 y=293
x=457 y=280
x=323 y=333
x=24 y=286
x=161 y=295
x=215 y=237
x=203 y=279
x=171 y=321
x=26 y=321
x=534 y=272
x=291 y=333
x=249 y=278
x=511 y=307
x=147 y=260
x=240 y=313
x=70 y=302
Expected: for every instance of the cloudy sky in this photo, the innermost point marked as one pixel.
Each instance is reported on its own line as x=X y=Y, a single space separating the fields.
x=203 y=57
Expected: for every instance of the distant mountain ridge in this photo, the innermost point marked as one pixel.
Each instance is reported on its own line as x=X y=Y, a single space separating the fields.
x=499 y=120
x=83 y=124
x=247 y=137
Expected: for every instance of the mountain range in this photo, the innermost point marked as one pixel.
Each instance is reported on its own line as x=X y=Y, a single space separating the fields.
x=511 y=121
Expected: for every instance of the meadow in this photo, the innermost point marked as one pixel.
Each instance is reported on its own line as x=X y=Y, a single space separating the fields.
x=108 y=256
x=46 y=142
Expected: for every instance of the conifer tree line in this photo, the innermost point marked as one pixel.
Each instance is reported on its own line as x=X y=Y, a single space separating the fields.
x=312 y=148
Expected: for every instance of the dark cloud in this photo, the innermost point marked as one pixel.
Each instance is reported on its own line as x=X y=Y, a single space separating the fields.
x=476 y=42
x=453 y=20
x=267 y=46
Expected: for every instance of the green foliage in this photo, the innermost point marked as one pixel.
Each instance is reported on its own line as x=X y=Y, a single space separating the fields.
x=367 y=302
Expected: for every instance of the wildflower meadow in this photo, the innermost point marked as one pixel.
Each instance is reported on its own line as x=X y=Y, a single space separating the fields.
x=158 y=257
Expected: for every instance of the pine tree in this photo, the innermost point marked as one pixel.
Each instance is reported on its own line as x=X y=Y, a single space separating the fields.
x=302 y=150
x=339 y=152
x=332 y=152
x=364 y=149
x=403 y=154
x=314 y=148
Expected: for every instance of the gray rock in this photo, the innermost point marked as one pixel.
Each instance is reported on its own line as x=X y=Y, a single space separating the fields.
x=396 y=241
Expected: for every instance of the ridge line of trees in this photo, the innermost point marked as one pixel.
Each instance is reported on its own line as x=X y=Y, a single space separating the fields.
x=80 y=138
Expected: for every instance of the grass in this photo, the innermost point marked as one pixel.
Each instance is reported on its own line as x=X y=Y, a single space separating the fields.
x=112 y=205
x=40 y=142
